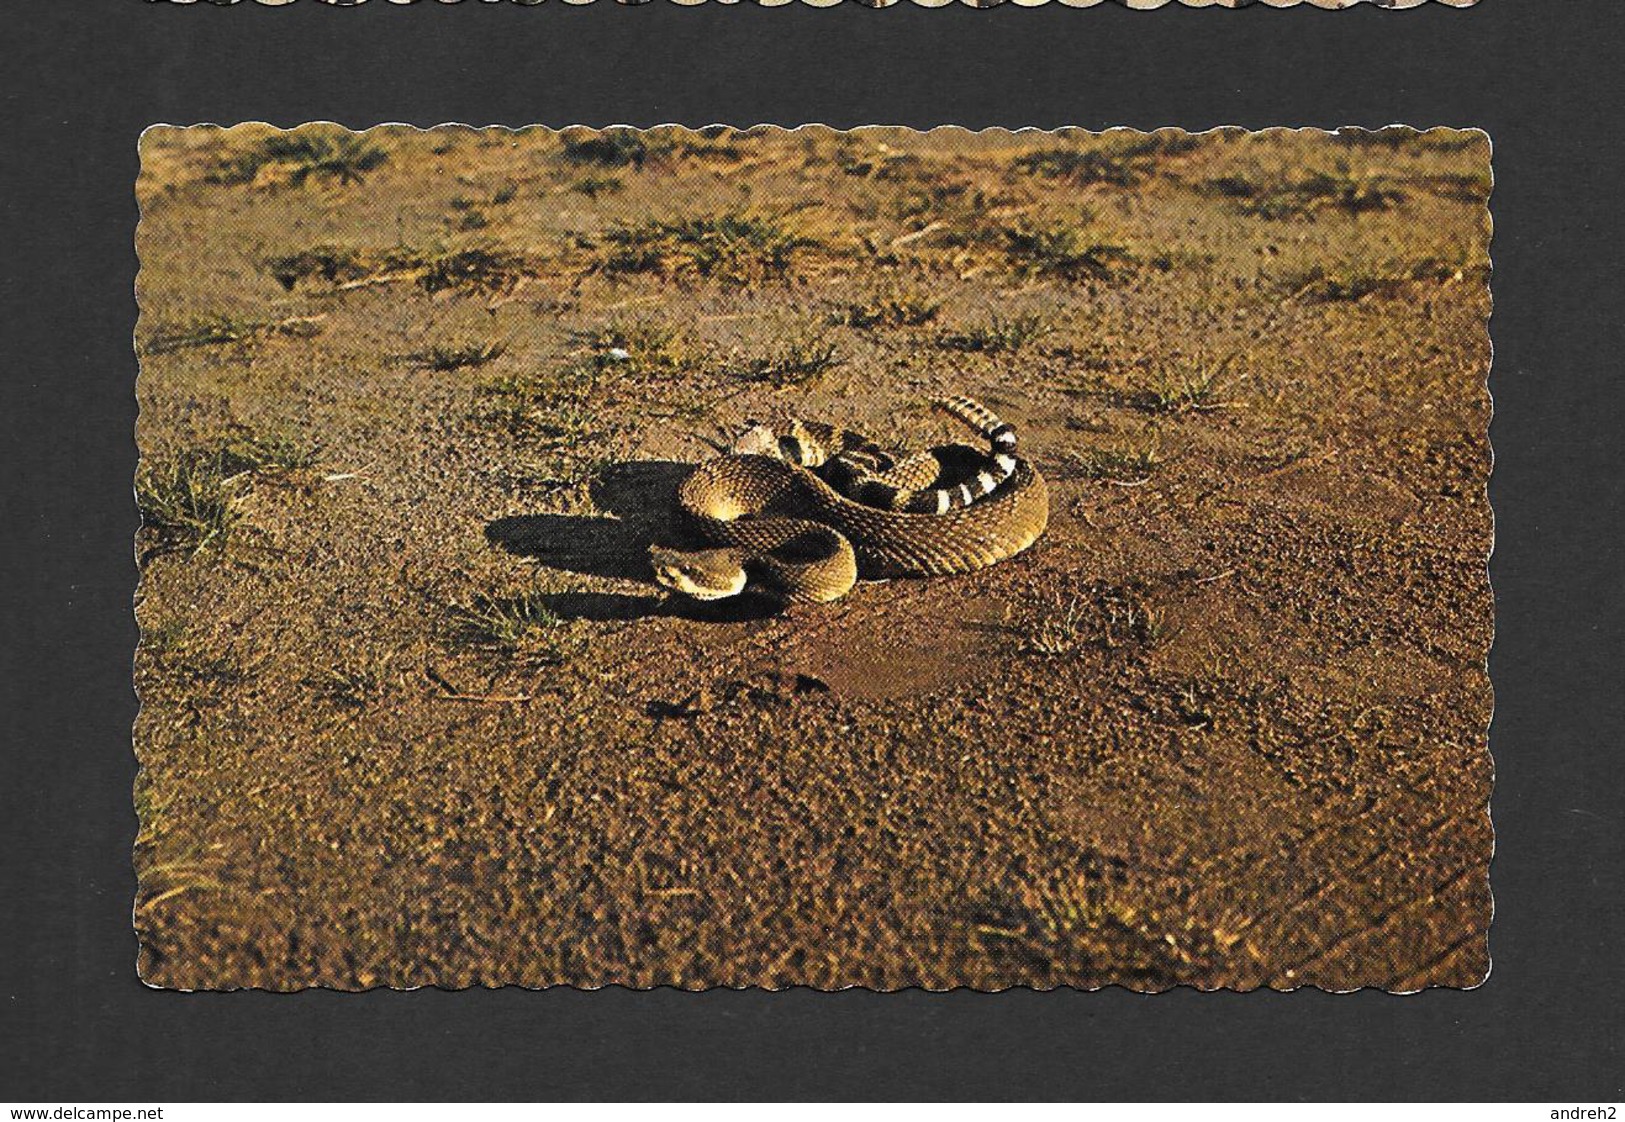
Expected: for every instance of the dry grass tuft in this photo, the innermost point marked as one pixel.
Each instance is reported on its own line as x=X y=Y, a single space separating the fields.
x=905 y=309
x=1195 y=391
x=798 y=363
x=1351 y=283
x=1085 y=927
x=1103 y=615
x=999 y=335
x=1340 y=190
x=297 y=157
x=458 y=356
x=736 y=249
x=518 y=627
x=1063 y=251
x=188 y=504
x=1116 y=465
x=220 y=330
x=1114 y=160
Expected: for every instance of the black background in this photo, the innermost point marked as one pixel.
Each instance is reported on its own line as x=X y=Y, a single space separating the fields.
x=83 y=78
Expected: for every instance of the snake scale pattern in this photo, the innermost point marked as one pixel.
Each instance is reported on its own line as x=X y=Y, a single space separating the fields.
x=804 y=511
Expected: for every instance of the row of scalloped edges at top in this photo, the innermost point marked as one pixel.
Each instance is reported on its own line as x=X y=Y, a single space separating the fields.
x=1138 y=4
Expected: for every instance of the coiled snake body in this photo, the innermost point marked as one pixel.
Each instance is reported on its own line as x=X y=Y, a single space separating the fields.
x=805 y=511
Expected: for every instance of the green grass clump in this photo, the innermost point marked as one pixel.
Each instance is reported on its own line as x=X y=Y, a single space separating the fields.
x=1116 y=465
x=302 y=155
x=1063 y=251
x=999 y=335
x=506 y=623
x=797 y=363
x=458 y=356
x=643 y=348
x=733 y=248
x=1195 y=391
x=188 y=504
x=264 y=453
x=193 y=501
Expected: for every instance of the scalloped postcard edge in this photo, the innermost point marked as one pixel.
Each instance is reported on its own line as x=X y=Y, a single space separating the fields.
x=1139 y=5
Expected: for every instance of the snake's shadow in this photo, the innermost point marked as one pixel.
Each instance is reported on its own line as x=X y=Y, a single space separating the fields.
x=639 y=498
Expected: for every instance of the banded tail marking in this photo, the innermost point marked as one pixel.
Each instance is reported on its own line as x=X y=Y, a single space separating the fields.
x=1002 y=444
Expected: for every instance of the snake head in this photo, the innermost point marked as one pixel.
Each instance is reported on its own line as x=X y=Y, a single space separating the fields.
x=704 y=574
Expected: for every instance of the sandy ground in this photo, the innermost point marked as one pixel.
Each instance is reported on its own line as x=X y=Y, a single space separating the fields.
x=413 y=711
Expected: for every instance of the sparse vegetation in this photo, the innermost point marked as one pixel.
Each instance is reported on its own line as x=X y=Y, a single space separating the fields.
x=1116 y=465
x=483 y=269
x=1129 y=620
x=1059 y=631
x=1322 y=284
x=193 y=501
x=594 y=185
x=297 y=157
x=332 y=264
x=614 y=148
x=268 y=453
x=187 y=503
x=734 y=248
x=645 y=348
x=486 y=269
x=1063 y=251
x=1086 y=927
x=510 y=624
x=357 y=684
x=797 y=363
x=219 y=330
x=1193 y=391
x=1114 y=159
x=898 y=310
x=1307 y=196
x=1392 y=138
x=447 y=357
x=1000 y=334
x=1102 y=616
x=541 y=410
x=1463 y=187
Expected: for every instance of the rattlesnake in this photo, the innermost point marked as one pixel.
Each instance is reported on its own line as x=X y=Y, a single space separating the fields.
x=804 y=511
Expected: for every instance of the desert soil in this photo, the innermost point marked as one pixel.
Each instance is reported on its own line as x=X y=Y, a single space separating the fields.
x=414 y=712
